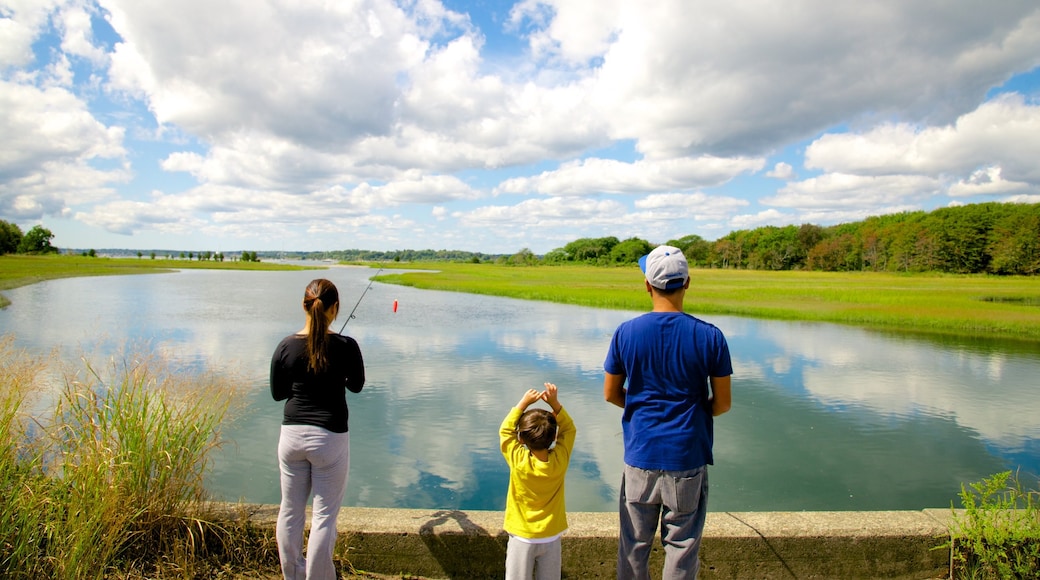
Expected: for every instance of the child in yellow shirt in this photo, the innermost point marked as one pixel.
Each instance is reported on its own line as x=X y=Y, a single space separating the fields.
x=536 y=516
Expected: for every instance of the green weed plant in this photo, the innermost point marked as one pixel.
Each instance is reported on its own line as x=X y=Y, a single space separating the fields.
x=110 y=481
x=997 y=535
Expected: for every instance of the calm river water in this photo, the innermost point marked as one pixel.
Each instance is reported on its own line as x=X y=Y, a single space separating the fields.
x=824 y=417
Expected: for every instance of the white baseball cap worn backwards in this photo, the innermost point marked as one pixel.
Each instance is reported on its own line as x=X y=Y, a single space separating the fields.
x=665 y=268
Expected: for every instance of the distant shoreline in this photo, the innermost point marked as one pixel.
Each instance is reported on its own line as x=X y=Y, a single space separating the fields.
x=23 y=270
x=970 y=305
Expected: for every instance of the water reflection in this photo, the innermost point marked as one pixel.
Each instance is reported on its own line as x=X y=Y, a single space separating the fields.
x=824 y=417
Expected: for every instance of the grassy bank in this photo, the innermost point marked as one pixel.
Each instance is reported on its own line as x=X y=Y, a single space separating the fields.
x=965 y=305
x=20 y=270
x=108 y=480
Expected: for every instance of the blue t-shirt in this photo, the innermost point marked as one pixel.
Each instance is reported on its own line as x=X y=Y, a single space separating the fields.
x=668 y=358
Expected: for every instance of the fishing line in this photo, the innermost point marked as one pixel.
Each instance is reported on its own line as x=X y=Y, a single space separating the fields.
x=360 y=298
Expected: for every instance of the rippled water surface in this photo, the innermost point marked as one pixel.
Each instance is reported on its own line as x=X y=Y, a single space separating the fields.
x=824 y=417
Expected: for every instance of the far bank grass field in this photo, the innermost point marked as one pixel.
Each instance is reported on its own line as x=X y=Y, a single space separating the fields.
x=963 y=305
x=968 y=305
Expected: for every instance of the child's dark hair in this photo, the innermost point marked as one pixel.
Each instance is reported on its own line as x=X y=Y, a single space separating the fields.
x=536 y=429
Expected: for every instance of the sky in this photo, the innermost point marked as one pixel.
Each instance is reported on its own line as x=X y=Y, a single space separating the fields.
x=306 y=125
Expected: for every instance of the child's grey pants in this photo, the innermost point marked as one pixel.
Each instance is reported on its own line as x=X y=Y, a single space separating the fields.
x=527 y=561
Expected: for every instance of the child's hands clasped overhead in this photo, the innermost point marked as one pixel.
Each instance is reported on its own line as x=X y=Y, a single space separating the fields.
x=549 y=395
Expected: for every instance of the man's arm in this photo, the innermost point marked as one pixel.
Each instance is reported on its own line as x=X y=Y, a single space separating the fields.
x=721 y=395
x=614 y=389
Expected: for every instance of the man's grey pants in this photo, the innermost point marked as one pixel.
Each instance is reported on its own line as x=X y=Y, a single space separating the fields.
x=311 y=460
x=679 y=500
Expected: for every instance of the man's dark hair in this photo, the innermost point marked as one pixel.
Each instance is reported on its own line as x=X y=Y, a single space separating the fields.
x=668 y=292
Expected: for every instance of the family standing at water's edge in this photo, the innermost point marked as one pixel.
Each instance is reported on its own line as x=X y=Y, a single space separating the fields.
x=677 y=370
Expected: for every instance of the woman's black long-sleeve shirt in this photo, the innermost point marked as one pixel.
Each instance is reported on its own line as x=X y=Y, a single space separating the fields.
x=316 y=399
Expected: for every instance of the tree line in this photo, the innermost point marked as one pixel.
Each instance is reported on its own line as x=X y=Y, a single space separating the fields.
x=994 y=238
x=380 y=256
x=38 y=241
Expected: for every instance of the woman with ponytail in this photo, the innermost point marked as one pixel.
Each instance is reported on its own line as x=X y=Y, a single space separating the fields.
x=311 y=371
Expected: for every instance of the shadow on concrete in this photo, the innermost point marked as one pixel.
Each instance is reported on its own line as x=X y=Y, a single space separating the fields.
x=776 y=553
x=468 y=552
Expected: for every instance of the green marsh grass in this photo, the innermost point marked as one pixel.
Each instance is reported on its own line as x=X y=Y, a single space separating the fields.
x=965 y=305
x=110 y=480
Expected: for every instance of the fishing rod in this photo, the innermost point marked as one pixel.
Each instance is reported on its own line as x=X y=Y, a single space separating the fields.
x=360 y=298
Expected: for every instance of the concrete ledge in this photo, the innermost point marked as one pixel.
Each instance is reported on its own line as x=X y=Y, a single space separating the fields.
x=760 y=545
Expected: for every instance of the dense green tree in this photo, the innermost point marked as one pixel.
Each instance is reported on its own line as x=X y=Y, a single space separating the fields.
x=808 y=236
x=730 y=251
x=37 y=241
x=724 y=253
x=1014 y=244
x=774 y=248
x=590 y=249
x=835 y=254
x=10 y=237
x=524 y=257
x=557 y=256
x=696 y=249
x=962 y=236
x=629 y=251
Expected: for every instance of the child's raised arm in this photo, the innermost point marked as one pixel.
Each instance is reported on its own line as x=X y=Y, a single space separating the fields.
x=550 y=396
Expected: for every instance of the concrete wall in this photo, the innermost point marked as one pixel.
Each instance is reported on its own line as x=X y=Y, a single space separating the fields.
x=758 y=545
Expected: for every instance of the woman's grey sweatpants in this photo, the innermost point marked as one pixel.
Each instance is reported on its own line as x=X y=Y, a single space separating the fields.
x=314 y=461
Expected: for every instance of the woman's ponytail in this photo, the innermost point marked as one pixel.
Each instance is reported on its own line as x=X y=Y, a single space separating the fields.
x=320 y=297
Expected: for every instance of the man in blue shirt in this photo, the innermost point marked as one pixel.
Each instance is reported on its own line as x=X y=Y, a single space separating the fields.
x=678 y=378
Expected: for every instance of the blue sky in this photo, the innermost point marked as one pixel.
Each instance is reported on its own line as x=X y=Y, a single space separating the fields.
x=227 y=125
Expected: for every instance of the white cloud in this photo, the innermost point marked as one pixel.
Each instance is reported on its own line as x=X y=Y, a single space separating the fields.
x=698 y=206
x=313 y=74
x=1004 y=131
x=77 y=34
x=748 y=77
x=611 y=176
x=842 y=190
x=762 y=218
x=783 y=171
x=565 y=211
x=51 y=143
x=986 y=181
